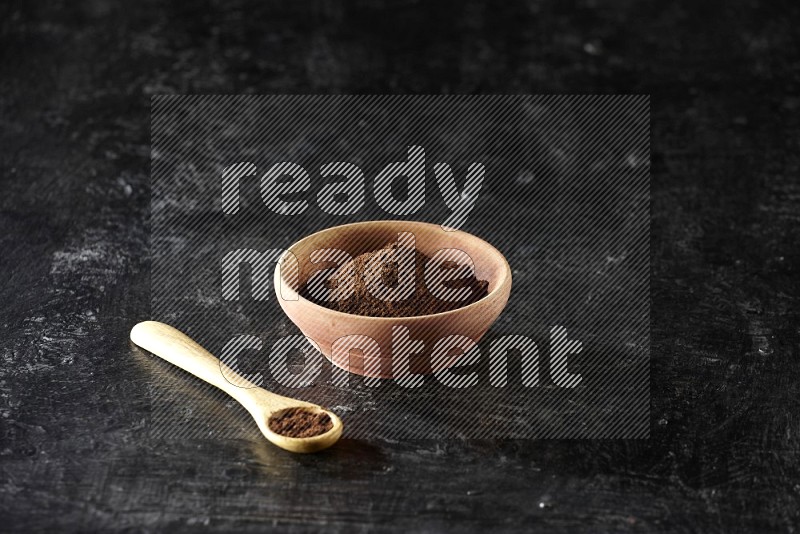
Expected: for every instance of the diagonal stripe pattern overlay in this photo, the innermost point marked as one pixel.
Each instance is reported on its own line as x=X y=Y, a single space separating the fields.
x=559 y=184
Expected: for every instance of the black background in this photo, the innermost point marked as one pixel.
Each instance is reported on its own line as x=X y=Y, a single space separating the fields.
x=75 y=83
x=574 y=229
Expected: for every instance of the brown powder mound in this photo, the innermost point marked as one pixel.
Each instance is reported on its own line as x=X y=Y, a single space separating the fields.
x=420 y=302
x=300 y=423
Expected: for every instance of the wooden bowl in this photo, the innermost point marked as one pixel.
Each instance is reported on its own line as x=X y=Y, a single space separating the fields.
x=324 y=326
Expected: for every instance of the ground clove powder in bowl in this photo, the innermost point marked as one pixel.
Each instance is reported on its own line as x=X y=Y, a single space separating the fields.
x=382 y=262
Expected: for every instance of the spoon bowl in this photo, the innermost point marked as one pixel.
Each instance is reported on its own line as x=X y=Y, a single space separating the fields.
x=179 y=349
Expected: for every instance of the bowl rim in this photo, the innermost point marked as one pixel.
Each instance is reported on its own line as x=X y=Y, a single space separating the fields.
x=505 y=278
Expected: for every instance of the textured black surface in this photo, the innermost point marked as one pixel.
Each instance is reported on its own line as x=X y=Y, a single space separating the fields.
x=75 y=80
x=574 y=228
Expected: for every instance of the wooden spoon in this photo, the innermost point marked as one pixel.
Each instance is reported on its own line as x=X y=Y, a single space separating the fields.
x=178 y=349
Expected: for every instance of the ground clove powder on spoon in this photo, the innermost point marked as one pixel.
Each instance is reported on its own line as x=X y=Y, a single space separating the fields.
x=421 y=302
x=300 y=423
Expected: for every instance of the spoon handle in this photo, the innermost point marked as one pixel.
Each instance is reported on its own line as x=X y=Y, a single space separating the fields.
x=181 y=350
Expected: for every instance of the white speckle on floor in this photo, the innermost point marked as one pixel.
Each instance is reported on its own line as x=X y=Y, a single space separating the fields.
x=526 y=177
